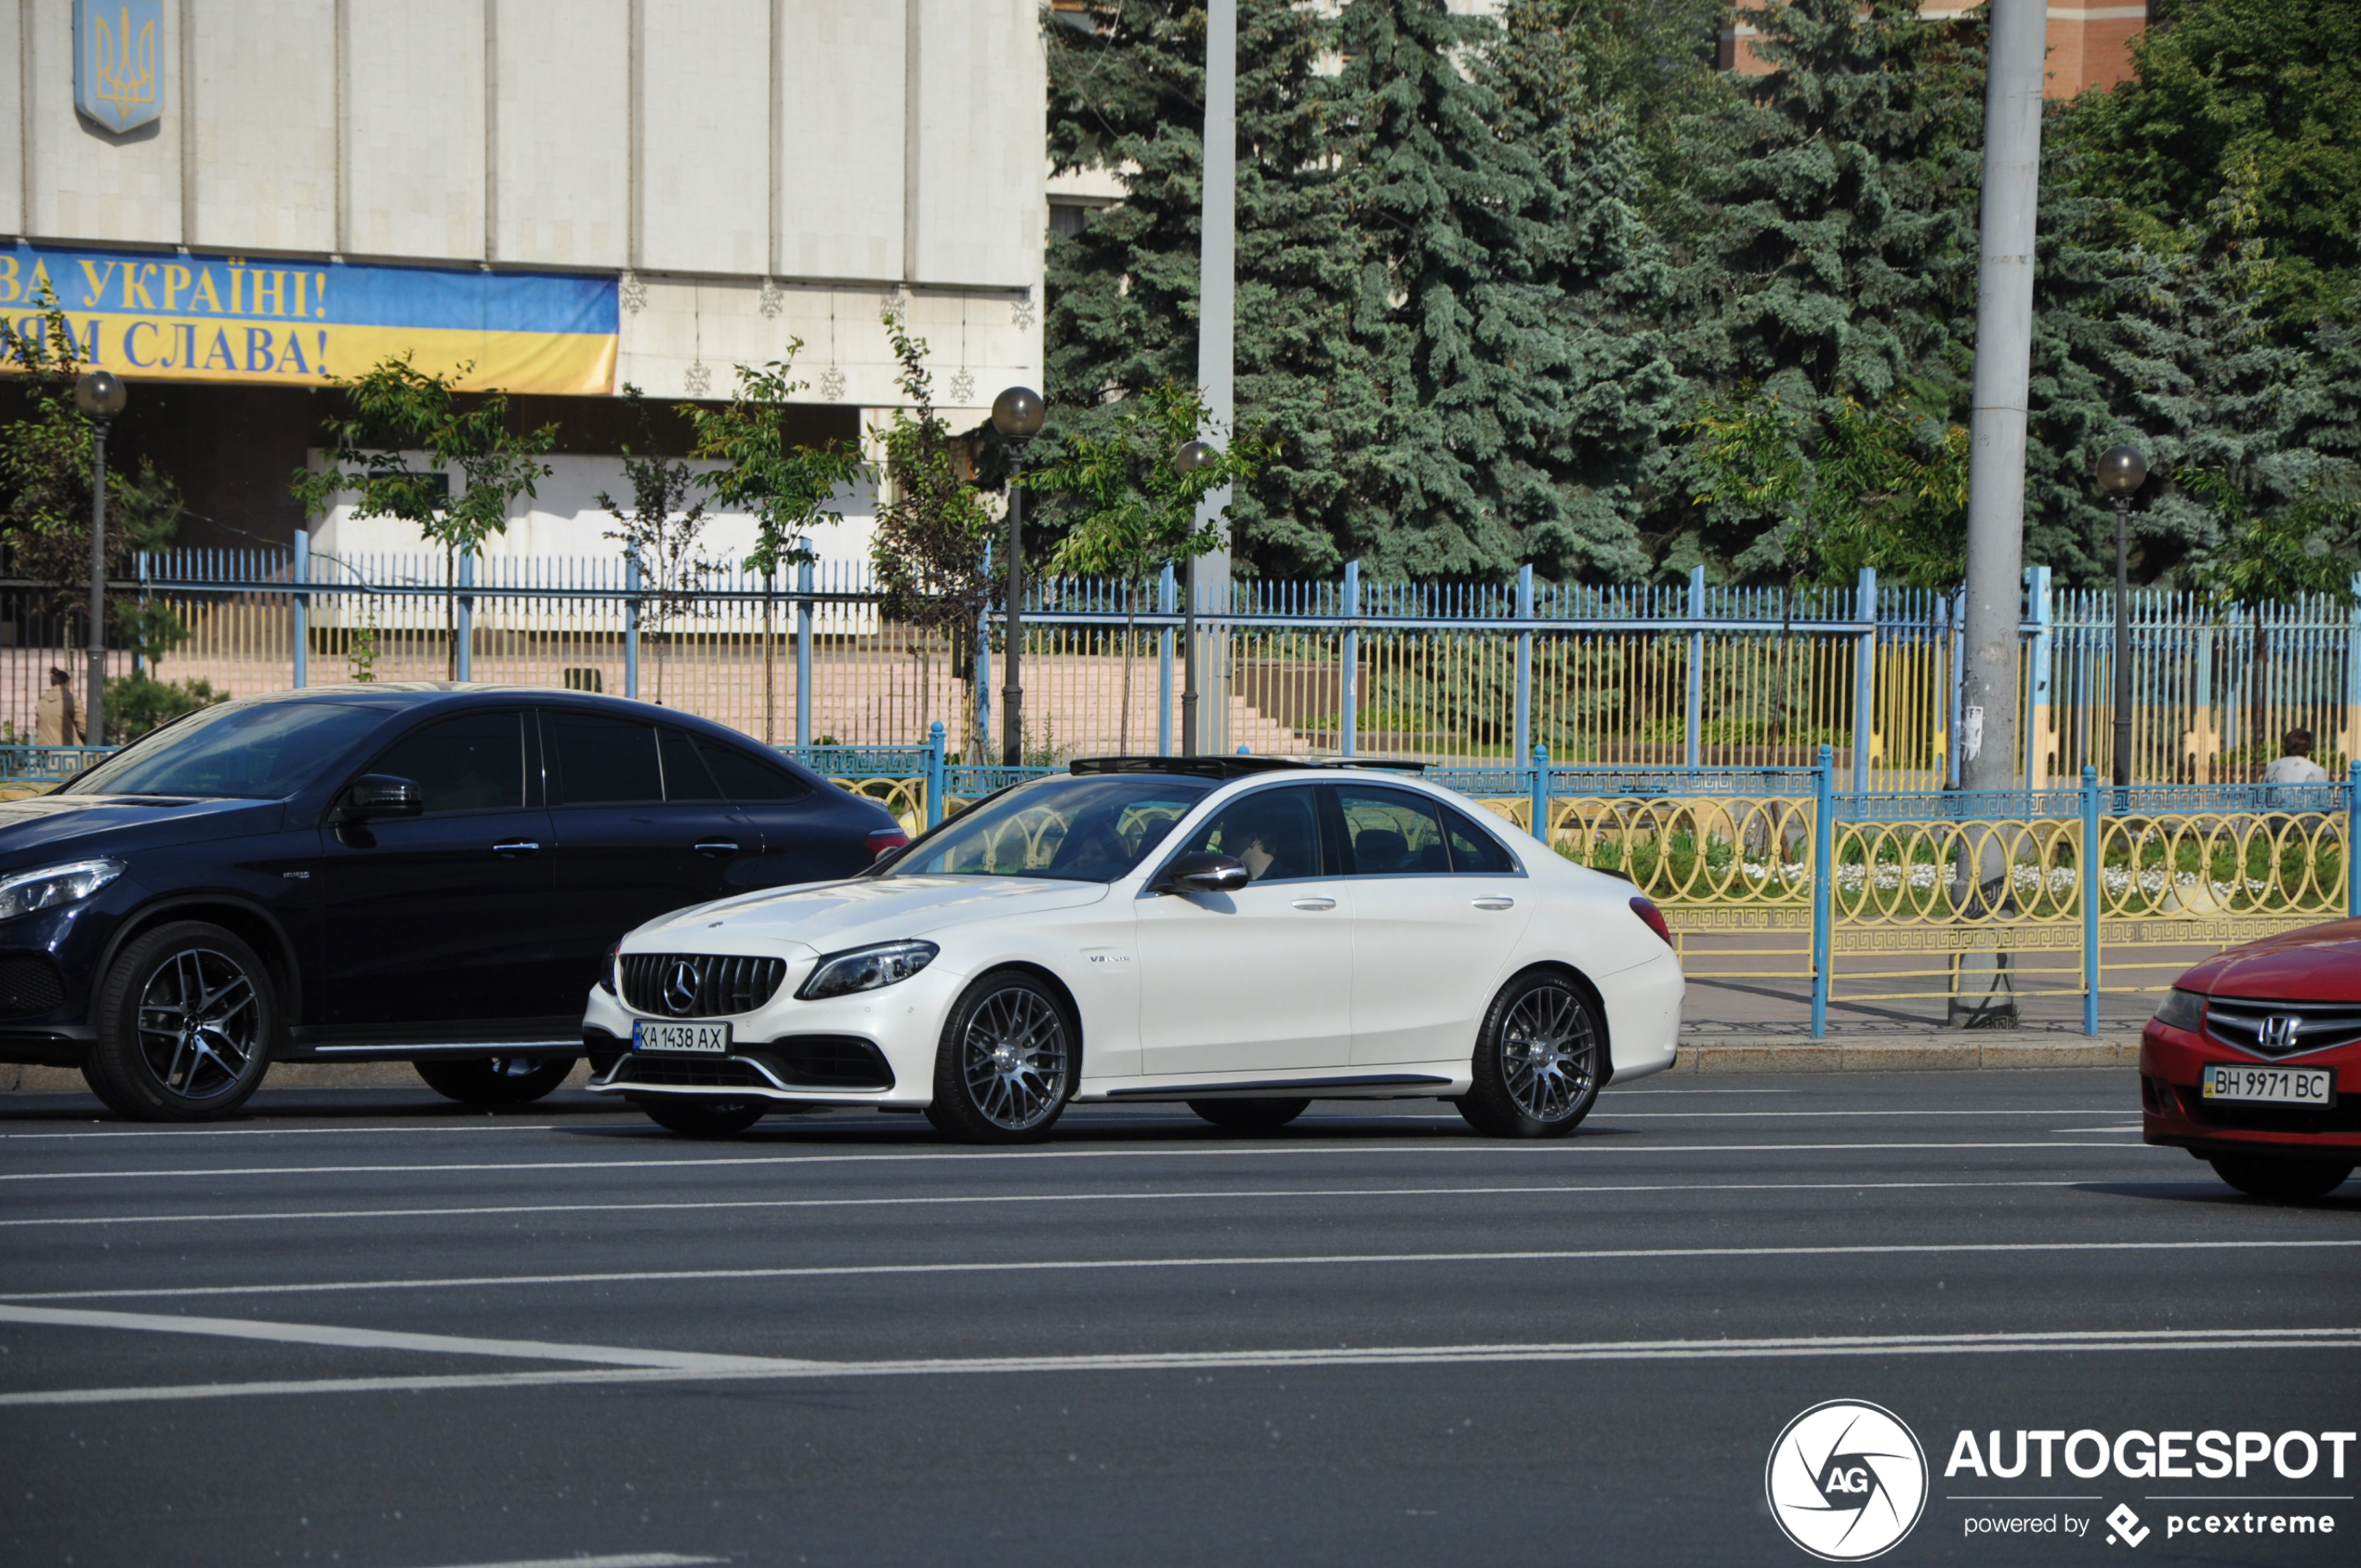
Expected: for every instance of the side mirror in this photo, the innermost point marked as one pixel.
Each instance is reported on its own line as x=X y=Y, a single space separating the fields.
x=1204 y=872
x=380 y=794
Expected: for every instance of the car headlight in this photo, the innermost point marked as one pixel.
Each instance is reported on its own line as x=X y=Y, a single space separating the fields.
x=606 y=970
x=865 y=968
x=22 y=892
x=2182 y=1010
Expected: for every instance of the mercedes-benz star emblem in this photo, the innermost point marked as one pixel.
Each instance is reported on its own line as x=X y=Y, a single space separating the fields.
x=680 y=988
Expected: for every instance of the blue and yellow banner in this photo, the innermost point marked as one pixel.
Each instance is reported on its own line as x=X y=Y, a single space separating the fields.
x=225 y=318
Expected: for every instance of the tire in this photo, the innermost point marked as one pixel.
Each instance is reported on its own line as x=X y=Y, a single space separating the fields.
x=2281 y=1182
x=704 y=1118
x=1250 y=1115
x=186 y=1020
x=494 y=1082
x=1539 y=1059
x=1008 y=1062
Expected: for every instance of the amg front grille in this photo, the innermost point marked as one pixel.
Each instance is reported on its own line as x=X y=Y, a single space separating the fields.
x=28 y=983
x=699 y=985
x=2278 y=1029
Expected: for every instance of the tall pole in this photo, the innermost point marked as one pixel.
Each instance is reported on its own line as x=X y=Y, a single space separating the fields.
x=1012 y=685
x=93 y=723
x=1188 y=657
x=1217 y=281
x=2122 y=640
x=2003 y=361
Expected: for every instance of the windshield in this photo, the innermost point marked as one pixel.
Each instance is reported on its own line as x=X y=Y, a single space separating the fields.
x=1074 y=829
x=257 y=751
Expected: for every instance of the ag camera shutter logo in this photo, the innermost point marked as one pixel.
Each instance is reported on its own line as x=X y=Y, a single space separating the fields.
x=1846 y=1480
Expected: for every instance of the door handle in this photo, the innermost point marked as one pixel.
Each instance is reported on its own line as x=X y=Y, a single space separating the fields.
x=1495 y=903
x=718 y=847
x=516 y=848
x=1315 y=903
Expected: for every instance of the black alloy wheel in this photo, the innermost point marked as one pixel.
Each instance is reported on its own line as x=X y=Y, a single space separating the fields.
x=493 y=1082
x=1250 y=1115
x=2281 y=1182
x=703 y=1119
x=186 y=1018
x=1007 y=1064
x=1539 y=1059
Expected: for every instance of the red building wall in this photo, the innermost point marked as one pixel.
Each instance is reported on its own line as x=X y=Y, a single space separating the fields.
x=2090 y=40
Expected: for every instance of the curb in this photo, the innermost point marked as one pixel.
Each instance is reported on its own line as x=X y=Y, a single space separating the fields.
x=1994 y=1050
x=1934 y=1051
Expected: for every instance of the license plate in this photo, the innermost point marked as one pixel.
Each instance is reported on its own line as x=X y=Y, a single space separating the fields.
x=654 y=1035
x=2280 y=1085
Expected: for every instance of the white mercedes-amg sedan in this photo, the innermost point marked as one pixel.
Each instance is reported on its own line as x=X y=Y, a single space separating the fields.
x=1241 y=934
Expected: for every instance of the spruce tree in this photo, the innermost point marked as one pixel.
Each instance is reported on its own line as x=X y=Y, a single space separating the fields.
x=1837 y=254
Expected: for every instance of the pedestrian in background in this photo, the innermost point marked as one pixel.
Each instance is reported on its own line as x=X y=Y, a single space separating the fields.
x=2296 y=766
x=56 y=723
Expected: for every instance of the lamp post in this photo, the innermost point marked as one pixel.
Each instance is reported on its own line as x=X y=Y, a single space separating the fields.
x=1016 y=414
x=100 y=395
x=1191 y=456
x=2122 y=472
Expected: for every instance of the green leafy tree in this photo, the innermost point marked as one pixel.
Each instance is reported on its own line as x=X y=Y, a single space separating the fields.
x=2270 y=87
x=788 y=486
x=394 y=410
x=933 y=540
x=46 y=462
x=1132 y=511
x=1883 y=487
x=2305 y=547
x=1654 y=64
x=663 y=530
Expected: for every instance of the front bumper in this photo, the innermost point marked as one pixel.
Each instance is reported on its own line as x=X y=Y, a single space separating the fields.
x=2172 y=1063
x=872 y=1047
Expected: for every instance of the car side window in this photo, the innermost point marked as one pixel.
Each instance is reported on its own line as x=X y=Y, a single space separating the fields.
x=603 y=761
x=1392 y=832
x=1273 y=832
x=748 y=779
x=1474 y=850
x=685 y=777
x=472 y=762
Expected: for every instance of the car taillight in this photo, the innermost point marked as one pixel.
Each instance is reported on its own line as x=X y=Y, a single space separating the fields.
x=885 y=839
x=1654 y=917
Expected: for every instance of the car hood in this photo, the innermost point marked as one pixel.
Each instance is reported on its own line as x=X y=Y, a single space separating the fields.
x=826 y=917
x=2319 y=964
x=43 y=827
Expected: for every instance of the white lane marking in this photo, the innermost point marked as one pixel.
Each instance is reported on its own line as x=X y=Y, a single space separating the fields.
x=376 y=1338
x=2066 y=1342
x=631 y=1559
x=1086 y=1265
x=1215 y=1194
x=751 y=1161
x=2064 y=1130
x=301 y=1132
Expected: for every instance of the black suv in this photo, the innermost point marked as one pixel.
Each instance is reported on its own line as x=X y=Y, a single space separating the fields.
x=429 y=872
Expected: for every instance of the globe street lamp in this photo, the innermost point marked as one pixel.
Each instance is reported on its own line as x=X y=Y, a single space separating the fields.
x=1187 y=460
x=100 y=395
x=2122 y=472
x=1016 y=414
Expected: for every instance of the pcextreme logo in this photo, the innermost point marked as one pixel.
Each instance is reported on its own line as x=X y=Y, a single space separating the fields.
x=1847 y=1480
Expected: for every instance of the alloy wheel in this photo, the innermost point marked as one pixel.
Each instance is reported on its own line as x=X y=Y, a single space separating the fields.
x=1014 y=1058
x=1549 y=1054
x=199 y=1023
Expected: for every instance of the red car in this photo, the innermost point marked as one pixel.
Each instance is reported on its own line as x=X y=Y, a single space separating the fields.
x=2254 y=1063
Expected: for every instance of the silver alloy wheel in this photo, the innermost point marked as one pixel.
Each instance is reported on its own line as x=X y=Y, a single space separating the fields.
x=1013 y=1059
x=198 y=1025
x=1549 y=1054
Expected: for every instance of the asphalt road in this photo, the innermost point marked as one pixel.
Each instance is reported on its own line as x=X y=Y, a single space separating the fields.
x=369 y=1328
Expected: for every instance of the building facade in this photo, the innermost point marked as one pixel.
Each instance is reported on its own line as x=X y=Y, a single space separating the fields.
x=233 y=200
